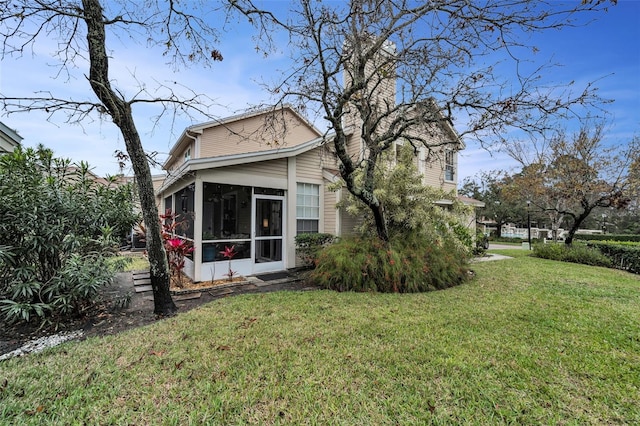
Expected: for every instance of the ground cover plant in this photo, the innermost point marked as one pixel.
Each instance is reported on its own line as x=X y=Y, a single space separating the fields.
x=529 y=341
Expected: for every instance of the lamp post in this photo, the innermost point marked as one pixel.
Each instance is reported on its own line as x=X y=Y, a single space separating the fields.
x=604 y=223
x=529 y=223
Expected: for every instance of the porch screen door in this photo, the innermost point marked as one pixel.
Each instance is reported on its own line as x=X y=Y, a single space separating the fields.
x=269 y=236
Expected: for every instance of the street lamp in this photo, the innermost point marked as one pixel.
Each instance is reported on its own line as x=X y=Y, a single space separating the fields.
x=604 y=223
x=529 y=223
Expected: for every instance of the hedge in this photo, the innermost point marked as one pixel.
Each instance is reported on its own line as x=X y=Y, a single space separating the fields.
x=625 y=257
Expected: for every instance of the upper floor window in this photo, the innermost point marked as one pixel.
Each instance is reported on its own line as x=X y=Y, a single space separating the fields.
x=187 y=154
x=449 y=166
x=307 y=207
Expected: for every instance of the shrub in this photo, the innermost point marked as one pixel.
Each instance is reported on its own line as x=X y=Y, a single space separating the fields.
x=576 y=253
x=406 y=264
x=309 y=245
x=55 y=235
x=607 y=237
x=625 y=256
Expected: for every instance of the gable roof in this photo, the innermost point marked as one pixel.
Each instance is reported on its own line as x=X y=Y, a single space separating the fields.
x=191 y=132
x=237 y=159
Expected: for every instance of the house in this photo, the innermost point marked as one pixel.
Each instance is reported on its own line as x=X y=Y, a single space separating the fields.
x=255 y=180
x=9 y=139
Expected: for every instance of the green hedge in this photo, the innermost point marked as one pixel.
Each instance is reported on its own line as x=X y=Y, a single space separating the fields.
x=623 y=256
x=607 y=237
x=576 y=253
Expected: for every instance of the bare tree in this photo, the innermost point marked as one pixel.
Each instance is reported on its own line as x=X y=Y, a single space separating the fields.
x=413 y=67
x=80 y=28
x=576 y=174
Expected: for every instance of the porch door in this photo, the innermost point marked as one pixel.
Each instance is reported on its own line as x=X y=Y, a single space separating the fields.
x=269 y=235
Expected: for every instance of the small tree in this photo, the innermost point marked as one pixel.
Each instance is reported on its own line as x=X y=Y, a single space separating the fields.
x=575 y=175
x=56 y=234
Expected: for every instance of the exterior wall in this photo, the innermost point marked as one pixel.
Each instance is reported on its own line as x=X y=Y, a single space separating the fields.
x=254 y=134
x=434 y=171
x=330 y=212
x=267 y=174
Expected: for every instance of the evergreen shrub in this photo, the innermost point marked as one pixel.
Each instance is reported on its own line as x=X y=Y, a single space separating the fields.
x=308 y=246
x=58 y=229
x=576 y=253
x=406 y=264
x=625 y=256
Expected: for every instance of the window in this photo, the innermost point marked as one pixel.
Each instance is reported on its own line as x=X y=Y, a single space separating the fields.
x=226 y=221
x=187 y=154
x=307 y=208
x=448 y=165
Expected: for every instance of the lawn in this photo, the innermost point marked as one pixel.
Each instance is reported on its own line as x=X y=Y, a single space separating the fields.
x=529 y=341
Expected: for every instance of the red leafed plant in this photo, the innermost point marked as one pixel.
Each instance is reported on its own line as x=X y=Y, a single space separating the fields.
x=229 y=253
x=177 y=248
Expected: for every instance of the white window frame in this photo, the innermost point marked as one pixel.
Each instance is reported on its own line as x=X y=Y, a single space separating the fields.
x=304 y=210
x=449 y=165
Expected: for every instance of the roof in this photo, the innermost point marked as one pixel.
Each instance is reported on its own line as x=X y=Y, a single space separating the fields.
x=470 y=201
x=237 y=159
x=190 y=132
x=9 y=138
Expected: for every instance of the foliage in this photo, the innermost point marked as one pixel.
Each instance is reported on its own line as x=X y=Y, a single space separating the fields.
x=177 y=249
x=576 y=253
x=229 y=253
x=489 y=187
x=408 y=263
x=81 y=33
x=623 y=256
x=571 y=176
x=412 y=207
x=608 y=237
x=309 y=245
x=55 y=234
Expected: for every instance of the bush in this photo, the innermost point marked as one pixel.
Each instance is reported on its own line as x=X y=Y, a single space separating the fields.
x=623 y=256
x=607 y=237
x=308 y=246
x=58 y=228
x=407 y=264
x=576 y=253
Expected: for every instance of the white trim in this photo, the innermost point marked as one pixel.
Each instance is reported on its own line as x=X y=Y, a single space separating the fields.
x=239 y=159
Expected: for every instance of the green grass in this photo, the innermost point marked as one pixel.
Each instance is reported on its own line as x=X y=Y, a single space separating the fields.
x=131 y=262
x=530 y=341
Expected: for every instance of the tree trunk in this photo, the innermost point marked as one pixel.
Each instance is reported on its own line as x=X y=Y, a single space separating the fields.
x=576 y=224
x=121 y=114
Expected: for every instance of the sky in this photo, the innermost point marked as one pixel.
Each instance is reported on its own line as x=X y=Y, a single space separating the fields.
x=606 y=51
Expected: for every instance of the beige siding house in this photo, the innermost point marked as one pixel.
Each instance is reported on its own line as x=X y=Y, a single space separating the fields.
x=253 y=182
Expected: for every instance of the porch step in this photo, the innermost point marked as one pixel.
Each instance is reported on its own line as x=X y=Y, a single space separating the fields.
x=141 y=281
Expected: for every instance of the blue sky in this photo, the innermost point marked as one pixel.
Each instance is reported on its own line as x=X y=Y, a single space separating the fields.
x=606 y=51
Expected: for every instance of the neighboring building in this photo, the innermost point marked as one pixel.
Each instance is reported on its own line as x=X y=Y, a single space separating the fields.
x=9 y=139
